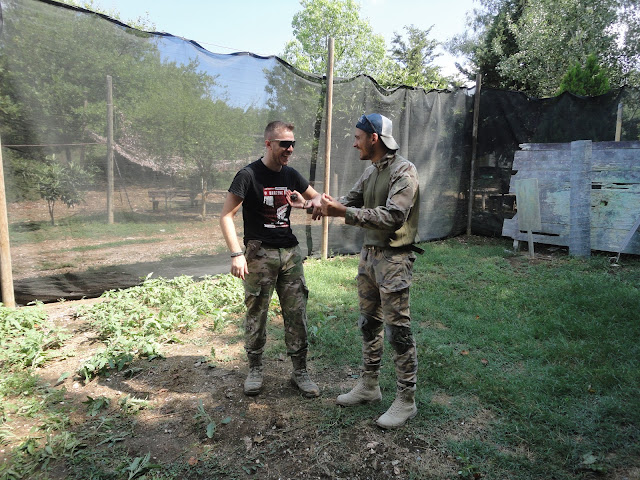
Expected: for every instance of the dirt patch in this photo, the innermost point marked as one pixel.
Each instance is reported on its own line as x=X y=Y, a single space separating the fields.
x=276 y=435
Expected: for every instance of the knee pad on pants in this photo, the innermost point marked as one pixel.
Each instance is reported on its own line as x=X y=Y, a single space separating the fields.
x=400 y=338
x=369 y=328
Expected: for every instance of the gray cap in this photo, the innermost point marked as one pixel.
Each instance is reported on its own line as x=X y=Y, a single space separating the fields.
x=376 y=123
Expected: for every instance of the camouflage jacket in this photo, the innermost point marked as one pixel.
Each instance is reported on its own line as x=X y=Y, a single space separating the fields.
x=385 y=201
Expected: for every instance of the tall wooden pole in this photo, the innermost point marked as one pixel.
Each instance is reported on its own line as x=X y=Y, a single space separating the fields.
x=6 y=277
x=109 y=150
x=619 y=123
x=474 y=148
x=327 y=147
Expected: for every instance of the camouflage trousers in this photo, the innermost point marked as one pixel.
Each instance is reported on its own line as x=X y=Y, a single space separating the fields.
x=280 y=269
x=384 y=278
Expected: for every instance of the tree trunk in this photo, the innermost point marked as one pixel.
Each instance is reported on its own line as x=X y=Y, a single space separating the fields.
x=203 y=208
x=50 y=205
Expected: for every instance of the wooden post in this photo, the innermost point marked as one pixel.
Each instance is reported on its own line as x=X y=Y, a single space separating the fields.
x=109 y=150
x=580 y=199
x=474 y=148
x=619 y=123
x=404 y=146
x=6 y=276
x=327 y=147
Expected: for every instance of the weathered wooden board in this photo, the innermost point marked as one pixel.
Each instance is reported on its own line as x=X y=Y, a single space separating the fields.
x=614 y=193
x=528 y=198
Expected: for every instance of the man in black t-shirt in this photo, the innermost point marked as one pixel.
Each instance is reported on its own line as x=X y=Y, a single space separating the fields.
x=267 y=189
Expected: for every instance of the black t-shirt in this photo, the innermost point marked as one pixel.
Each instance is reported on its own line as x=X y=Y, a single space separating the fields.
x=265 y=210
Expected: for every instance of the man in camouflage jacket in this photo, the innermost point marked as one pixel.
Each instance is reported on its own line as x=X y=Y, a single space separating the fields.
x=385 y=202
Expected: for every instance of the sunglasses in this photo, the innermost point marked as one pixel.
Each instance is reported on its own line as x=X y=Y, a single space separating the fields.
x=286 y=143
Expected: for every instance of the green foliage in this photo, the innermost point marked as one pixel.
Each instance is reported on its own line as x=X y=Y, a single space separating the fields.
x=26 y=337
x=203 y=417
x=175 y=115
x=141 y=23
x=199 y=131
x=56 y=182
x=139 y=466
x=131 y=406
x=530 y=46
x=95 y=405
x=136 y=322
x=415 y=58
x=589 y=80
x=357 y=49
x=490 y=39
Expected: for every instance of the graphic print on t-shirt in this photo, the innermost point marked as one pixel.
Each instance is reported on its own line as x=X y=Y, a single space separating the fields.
x=275 y=207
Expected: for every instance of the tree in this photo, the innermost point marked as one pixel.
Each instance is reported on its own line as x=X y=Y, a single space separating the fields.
x=589 y=80
x=531 y=45
x=53 y=68
x=56 y=182
x=414 y=58
x=187 y=129
x=53 y=73
x=490 y=39
x=141 y=23
x=357 y=49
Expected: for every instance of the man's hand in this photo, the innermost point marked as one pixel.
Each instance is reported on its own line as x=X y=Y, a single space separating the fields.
x=239 y=267
x=331 y=207
x=312 y=205
x=295 y=199
x=315 y=207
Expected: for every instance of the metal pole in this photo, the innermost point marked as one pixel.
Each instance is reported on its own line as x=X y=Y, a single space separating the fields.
x=327 y=148
x=6 y=277
x=474 y=148
x=109 y=150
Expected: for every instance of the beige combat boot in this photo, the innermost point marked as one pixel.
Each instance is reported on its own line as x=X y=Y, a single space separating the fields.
x=253 y=383
x=402 y=409
x=300 y=377
x=367 y=390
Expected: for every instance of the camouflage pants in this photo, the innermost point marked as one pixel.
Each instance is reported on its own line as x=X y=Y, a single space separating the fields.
x=384 y=278
x=280 y=269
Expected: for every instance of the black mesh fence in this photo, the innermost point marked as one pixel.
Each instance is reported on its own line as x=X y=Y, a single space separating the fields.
x=185 y=120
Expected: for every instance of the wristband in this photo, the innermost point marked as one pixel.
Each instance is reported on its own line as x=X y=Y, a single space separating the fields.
x=236 y=254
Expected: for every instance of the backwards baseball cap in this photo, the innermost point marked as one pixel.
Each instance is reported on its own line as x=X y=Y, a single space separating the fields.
x=376 y=123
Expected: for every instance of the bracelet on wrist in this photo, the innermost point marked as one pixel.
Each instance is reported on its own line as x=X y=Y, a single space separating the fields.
x=236 y=254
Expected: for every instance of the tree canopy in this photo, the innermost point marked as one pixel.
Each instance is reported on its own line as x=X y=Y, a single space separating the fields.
x=414 y=59
x=586 y=80
x=358 y=50
x=530 y=46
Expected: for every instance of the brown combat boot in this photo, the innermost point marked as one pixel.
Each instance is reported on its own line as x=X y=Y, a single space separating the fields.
x=402 y=409
x=300 y=378
x=253 y=383
x=367 y=390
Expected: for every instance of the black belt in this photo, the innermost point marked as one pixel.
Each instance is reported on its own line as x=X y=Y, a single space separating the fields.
x=404 y=248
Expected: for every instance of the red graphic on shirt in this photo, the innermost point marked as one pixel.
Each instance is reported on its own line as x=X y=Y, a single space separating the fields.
x=275 y=207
